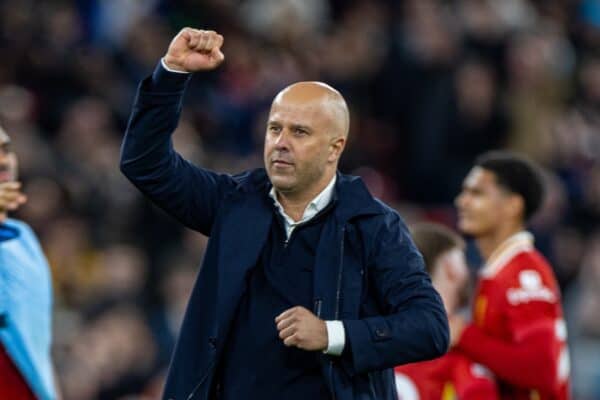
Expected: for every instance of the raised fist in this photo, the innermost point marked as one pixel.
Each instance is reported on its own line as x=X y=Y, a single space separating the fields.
x=195 y=50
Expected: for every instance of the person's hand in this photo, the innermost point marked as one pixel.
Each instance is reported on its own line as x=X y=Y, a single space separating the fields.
x=300 y=328
x=11 y=198
x=195 y=50
x=457 y=326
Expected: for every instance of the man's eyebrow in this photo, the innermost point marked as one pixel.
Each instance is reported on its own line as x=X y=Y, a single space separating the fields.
x=292 y=126
x=303 y=127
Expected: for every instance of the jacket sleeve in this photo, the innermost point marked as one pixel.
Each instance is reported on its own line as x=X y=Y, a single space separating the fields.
x=188 y=193
x=413 y=325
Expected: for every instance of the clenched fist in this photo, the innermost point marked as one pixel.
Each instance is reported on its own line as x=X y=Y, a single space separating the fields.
x=195 y=50
x=300 y=328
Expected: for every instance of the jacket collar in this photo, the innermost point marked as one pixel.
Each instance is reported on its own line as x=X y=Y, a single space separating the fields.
x=351 y=194
x=316 y=205
x=354 y=199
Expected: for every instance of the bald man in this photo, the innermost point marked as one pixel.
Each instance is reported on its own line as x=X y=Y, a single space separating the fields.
x=310 y=288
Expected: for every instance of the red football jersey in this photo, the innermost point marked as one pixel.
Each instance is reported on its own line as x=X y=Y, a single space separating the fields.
x=450 y=377
x=518 y=330
x=12 y=383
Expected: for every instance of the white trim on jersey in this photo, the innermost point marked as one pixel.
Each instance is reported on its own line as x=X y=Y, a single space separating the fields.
x=510 y=248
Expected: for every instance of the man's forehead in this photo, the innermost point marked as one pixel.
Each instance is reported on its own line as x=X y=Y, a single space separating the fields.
x=297 y=112
x=479 y=176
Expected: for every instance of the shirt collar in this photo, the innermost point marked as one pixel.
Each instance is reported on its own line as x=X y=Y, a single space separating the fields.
x=517 y=243
x=314 y=207
x=8 y=231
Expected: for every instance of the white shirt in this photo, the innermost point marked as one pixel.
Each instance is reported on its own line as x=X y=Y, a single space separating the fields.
x=313 y=208
x=336 y=335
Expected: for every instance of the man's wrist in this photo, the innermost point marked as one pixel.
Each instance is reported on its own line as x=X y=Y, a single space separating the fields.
x=170 y=68
x=336 y=338
x=166 y=81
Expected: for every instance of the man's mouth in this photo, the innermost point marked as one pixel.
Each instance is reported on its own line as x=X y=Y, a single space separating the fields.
x=281 y=163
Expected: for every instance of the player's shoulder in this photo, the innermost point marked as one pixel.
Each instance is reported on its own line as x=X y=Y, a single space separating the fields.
x=21 y=226
x=532 y=257
x=528 y=277
x=527 y=262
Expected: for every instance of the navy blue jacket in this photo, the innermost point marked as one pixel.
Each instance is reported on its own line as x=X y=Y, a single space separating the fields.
x=367 y=273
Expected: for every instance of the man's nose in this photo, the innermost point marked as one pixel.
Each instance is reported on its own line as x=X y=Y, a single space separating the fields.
x=282 y=141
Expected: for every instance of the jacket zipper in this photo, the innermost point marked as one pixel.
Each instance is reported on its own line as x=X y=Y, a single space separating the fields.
x=317 y=310
x=195 y=389
x=338 y=295
x=338 y=292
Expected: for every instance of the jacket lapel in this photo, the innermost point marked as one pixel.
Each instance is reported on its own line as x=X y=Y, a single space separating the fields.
x=247 y=229
x=327 y=268
x=352 y=200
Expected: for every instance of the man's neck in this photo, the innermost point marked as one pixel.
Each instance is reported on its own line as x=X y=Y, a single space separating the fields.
x=294 y=204
x=488 y=243
x=293 y=207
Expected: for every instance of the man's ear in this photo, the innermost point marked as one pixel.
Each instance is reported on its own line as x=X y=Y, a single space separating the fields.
x=336 y=147
x=515 y=206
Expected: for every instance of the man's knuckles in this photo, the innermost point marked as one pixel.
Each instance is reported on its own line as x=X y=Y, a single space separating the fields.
x=284 y=333
x=291 y=341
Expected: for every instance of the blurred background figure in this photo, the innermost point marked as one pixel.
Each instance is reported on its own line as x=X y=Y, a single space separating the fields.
x=517 y=327
x=454 y=375
x=25 y=296
x=430 y=83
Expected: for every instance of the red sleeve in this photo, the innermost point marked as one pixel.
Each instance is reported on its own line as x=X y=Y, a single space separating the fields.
x=531 y=362
x=471 y=380
x=413 y=386
x=480 y=389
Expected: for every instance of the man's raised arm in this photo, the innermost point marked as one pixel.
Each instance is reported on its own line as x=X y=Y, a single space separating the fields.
x=188 y=193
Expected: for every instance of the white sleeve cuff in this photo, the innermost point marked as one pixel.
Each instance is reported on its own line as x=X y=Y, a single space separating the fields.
x=164 y=65
x=336 y=338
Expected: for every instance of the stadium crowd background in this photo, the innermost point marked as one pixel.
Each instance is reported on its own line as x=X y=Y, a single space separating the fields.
x=430 y=83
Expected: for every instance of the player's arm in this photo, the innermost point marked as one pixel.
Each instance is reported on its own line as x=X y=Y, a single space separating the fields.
x=473 y=381
x=188 y=193
x=530 y=362
x=482 y=388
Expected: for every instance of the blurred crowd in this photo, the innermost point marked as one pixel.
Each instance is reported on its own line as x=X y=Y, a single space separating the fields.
x=430 y=84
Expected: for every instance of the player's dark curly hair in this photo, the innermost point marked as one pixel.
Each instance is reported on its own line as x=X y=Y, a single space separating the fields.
x=518 y=175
